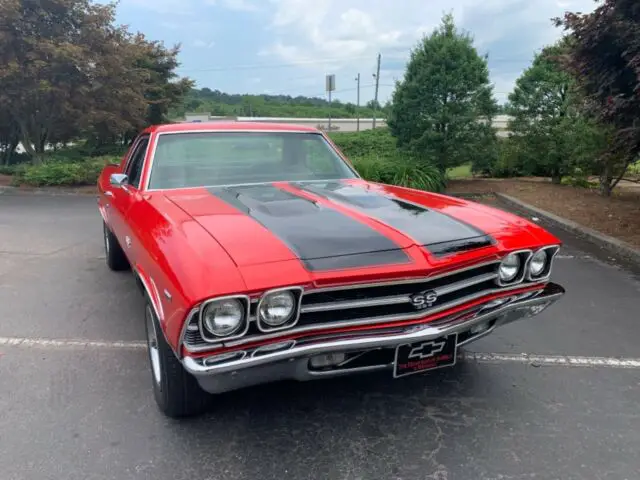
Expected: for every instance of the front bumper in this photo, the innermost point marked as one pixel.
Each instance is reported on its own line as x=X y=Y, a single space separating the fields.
x=293 y=362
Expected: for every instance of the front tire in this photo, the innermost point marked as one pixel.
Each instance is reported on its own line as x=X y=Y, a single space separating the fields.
x=116 y=259
x=176 y=391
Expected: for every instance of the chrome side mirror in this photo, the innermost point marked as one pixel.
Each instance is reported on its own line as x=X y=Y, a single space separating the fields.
x=118 y=179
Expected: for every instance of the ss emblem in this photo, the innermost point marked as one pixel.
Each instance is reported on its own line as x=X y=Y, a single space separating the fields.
x=424 y=299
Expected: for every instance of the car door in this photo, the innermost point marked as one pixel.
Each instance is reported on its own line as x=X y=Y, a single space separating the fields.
x=129 y=192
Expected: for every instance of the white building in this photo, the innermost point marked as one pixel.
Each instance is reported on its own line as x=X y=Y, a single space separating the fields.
x=337 y=124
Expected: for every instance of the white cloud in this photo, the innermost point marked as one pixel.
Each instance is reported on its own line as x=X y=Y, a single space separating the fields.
x=203 y=44
x=238 y=5
x=344 y=36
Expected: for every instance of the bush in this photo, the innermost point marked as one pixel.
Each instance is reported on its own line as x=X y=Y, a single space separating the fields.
x=401 y=170
x=356 y=144
x=56 y=172
x=7 y=169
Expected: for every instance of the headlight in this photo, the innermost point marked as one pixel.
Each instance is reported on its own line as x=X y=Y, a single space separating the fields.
x=509 y=267
x=223 y=318
x=277 y=308
x=538 y=263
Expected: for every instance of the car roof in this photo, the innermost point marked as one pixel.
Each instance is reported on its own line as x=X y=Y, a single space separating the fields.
x=229 y=125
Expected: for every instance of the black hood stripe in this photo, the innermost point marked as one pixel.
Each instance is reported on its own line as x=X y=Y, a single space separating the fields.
x=438 y=232
x=321 y=237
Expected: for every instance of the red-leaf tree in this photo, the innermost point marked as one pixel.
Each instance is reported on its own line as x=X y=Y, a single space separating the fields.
x=605 y=59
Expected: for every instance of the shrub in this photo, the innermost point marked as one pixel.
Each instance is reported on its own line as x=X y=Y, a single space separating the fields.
x=55 y=172
x=7 y=169
x=356 y=144
x=401 y=170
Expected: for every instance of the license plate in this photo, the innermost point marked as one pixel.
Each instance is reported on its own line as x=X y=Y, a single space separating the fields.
x=427 y=355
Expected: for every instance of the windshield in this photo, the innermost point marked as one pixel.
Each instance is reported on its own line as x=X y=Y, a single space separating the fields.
x=227 y=158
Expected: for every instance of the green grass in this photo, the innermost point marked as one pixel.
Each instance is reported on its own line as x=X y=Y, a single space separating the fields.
x=463 y=171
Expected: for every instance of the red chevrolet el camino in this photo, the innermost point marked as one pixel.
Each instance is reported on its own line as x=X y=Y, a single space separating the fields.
x=263 y=255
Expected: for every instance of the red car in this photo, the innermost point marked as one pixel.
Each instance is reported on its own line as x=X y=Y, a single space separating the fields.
x=263 y=255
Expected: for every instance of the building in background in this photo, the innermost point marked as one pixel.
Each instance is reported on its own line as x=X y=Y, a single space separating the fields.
x=337 y=124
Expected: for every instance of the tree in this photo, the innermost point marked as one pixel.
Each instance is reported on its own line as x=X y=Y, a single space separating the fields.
x=66 y=70
x=546 y=114
x=163 y=90
x=444 y=106
x=605 y=59
x=9 y=137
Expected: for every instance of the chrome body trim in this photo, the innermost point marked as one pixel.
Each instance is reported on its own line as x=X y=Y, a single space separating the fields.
x=219 y=343
x=185 y=327
x=524 y=267
x=152 y=298
x=546 y=277
x=157 y=135
x=203 y=331
x=371 y=320
x=293 y=363
x=396 y=299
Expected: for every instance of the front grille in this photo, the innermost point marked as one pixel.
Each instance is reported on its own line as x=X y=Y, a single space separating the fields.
x=380 y=301
x=366 y=304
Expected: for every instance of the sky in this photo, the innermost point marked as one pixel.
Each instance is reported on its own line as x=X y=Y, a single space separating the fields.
x=288 y=46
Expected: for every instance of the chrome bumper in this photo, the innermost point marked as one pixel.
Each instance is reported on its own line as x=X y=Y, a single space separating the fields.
x=293 y=363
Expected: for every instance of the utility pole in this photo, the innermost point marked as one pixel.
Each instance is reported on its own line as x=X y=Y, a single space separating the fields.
x=375 y=99
x=358 y=105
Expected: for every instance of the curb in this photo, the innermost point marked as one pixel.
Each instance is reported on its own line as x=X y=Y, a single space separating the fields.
x=611 y=244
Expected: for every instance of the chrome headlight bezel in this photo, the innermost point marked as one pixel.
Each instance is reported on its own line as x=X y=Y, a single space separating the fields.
x=211 y=337
x=264 y=327
x=524 y=256
x=551 y=251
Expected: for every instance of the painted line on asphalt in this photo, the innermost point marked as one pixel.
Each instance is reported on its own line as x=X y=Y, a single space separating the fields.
x=63 y=343
x=553 y=360
x=479 y=357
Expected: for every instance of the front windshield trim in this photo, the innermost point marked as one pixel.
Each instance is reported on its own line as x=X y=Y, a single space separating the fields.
x=238 y=130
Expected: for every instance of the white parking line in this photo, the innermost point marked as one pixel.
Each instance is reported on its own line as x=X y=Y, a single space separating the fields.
x=523 y=358
x=47 y=343
x=553 y=360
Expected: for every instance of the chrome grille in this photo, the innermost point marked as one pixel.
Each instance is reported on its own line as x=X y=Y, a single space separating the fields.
x=392 y=301
x=365 y=304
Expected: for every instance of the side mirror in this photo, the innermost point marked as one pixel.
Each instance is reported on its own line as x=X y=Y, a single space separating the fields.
x=118 y=179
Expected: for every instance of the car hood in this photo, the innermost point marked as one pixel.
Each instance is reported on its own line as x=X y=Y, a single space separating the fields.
x=341 y=224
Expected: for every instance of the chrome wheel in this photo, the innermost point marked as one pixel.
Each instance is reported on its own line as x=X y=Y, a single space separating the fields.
x=152 y=342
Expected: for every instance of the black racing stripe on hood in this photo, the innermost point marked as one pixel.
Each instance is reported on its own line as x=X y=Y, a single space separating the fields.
x=321 y=237
x=436 y=231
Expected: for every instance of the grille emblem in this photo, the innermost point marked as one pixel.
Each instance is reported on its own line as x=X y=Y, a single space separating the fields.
x=423 y=300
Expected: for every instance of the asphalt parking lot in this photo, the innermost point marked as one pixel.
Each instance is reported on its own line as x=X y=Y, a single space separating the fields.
x=76 y=400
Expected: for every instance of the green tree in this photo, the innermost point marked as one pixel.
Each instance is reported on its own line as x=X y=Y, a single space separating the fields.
x=66 y=71
x=553 y=134
x=9 y=137
x=163 y=88
x=443 y=107
x=604 y=58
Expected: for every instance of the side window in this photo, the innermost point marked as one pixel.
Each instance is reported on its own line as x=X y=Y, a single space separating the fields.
x=134 y=167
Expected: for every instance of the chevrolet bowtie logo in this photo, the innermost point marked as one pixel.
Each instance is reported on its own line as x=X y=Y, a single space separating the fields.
x=426 y=350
